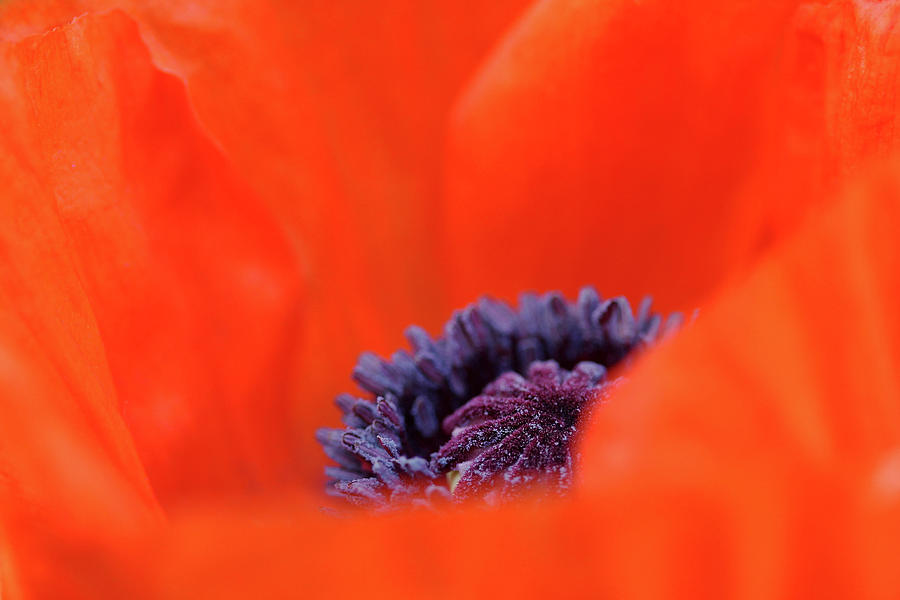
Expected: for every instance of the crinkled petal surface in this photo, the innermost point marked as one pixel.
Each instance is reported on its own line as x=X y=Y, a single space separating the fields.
x=187 y=282
x=832 y=108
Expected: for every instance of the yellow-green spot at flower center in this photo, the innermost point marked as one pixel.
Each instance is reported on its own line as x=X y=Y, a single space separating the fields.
x=452 y=480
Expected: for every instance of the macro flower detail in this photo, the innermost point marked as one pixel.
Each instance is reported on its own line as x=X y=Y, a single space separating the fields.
x=210 y=209
x=399 y=441
x=519 y=431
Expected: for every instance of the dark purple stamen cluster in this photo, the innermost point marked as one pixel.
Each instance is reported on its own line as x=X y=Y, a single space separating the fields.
x=519 y=430
x=385 y=452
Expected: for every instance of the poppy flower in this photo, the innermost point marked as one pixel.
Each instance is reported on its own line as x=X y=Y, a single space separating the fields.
x=211 y=208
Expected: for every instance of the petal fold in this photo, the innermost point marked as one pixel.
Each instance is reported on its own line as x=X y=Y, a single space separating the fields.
x=193 y=288
x=778 y=411
x=755 y=455
x=604 y=141
x=334 y=113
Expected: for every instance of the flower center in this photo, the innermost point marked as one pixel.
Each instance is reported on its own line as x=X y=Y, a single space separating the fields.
x=519 y=431
x=489 y=408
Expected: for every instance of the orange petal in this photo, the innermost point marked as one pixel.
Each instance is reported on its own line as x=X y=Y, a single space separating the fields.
x=603 y=143
x=192 y=287
x=68 y=465
x=862 y=78
x=755 y=456
x=335 y=116
x=801 y=359
x=835 y=107
x=70 y=478
x=782 y=401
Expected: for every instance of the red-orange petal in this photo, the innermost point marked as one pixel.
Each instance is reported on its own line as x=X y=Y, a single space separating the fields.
x=334 y=114
x=69 y=469
x=603 y=143
x=835 y=106
x=192 y=286
x=778 y=412
x=753 y=456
